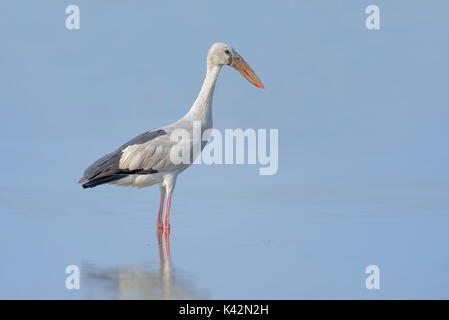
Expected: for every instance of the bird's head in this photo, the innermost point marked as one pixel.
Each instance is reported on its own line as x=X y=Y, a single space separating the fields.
x=223 y=54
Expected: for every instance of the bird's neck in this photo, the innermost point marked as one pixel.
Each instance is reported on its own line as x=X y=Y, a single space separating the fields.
x=202 y=107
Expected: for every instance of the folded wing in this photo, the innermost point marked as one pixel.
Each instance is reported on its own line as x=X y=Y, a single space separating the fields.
x=145 y=154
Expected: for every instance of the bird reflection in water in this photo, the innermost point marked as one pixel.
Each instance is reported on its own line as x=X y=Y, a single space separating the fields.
x=142 y=281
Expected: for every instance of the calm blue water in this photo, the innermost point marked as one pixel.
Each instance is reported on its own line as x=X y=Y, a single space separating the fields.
x=363 y=119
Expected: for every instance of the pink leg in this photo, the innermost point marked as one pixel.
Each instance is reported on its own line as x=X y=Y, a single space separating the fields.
x=161 y=209
x=167 y=213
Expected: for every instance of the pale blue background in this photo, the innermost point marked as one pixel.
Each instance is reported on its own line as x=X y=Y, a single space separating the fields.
x=363 y=119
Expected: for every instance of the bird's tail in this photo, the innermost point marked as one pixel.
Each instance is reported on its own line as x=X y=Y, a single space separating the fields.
x=102 y=180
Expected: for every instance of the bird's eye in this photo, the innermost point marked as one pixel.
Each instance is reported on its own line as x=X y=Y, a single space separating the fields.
x=227 y=51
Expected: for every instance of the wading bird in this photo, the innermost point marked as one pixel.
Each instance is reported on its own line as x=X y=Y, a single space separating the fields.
x=146 y=159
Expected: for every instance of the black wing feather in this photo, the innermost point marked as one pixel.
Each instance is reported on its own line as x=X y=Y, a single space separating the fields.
x=106 y=169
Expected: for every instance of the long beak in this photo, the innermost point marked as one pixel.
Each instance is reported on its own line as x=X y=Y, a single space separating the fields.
x=241 y=66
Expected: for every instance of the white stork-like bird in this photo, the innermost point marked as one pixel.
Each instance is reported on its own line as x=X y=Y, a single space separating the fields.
x=145 y=160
